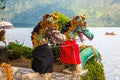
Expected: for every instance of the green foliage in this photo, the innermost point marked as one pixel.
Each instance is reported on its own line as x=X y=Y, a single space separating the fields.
x=16 y=50
x=95 y=71
x=62 y=20
x=27 y=52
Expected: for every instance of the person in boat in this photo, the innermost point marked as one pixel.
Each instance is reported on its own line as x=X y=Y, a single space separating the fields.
x=45 y=32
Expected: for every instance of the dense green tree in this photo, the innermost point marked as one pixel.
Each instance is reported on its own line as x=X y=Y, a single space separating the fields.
x=1 y=6
x=29 y=12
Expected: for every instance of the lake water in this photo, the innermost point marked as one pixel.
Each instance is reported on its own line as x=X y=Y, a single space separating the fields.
x=108 y=46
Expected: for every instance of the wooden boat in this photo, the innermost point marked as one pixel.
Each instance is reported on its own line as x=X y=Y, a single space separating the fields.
x=110 y=33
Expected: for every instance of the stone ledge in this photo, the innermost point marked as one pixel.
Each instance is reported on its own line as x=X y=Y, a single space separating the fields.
x=29 y=74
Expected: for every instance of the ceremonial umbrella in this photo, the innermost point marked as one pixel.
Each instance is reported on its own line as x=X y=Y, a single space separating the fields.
x=6 y=25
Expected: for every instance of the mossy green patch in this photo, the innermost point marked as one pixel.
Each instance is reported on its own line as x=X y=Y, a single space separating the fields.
x=95 y=70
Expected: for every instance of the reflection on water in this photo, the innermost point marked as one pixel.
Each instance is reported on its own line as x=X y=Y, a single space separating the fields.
x=108 y=46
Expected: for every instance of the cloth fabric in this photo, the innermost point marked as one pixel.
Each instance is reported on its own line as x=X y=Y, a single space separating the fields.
x=42 y=59
x=70 y=53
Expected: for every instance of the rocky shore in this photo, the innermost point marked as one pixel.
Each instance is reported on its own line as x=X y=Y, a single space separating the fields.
x=28 y=74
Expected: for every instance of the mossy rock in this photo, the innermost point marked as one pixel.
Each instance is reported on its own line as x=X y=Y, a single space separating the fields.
x=95 y=70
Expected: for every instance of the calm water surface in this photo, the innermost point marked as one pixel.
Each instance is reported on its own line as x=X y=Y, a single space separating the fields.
x=108 y=46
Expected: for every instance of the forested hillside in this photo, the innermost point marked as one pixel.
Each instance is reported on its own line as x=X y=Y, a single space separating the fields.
x=27 y=13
